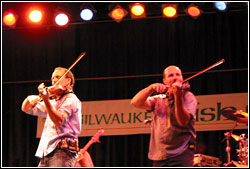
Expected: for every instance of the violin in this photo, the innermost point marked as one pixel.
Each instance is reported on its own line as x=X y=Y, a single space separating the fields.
x=184 y=87
x=55 y=90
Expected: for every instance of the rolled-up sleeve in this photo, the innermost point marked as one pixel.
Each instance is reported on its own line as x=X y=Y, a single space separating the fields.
x=38 y=110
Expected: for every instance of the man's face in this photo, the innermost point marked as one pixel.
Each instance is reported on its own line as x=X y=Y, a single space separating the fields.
x=172 y=74
x=57 y=74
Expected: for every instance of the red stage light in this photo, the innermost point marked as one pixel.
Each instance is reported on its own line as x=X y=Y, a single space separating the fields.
x=193 y=11
x=137 y=10
x=9 y=19
x=118 y=13
x=35 y=16
x=169 y=10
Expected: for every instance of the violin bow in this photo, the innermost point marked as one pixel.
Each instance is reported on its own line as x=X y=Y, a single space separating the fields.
x=210 y=67
x=77 y=60
x=79 y=57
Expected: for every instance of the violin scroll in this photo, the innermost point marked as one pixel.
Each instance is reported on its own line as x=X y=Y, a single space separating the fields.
x=186 y=86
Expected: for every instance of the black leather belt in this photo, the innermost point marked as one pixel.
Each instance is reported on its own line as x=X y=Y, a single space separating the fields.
x=68 y=144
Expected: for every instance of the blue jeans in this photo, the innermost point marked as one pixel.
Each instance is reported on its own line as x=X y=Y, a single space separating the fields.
x=58 y=158
x=183 y=160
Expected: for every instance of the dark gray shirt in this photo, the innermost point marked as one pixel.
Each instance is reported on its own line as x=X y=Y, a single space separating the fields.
x=168 y=138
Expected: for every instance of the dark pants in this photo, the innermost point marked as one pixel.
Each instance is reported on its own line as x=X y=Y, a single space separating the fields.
x=183 y=160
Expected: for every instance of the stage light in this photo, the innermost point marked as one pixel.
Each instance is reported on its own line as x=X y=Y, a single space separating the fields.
x=137 y=10
x=169 y=10
x=86 y=14
x=118 y=13
x=222 y=6
x=61 y=15
x=35 y=16
x=87 y=11
x=10 y=19
x=193 y=11
x=61 y=19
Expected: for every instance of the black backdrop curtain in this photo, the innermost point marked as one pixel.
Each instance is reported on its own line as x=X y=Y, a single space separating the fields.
x=132 y=47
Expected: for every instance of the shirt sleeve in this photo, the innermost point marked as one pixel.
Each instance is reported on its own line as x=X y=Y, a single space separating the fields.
x=153 y=99
x=151 y=102
x=38 y=110
x=190 y=104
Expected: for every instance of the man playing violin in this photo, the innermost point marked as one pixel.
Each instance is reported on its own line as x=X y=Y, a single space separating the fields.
x=58 y=145
x=172 y=128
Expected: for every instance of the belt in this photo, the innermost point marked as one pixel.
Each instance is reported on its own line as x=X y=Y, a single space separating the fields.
x=68 y=144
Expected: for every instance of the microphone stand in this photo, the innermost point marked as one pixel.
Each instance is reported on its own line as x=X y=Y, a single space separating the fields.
x=228 y=148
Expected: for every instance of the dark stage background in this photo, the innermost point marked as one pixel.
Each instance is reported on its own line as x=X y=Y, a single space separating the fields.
x=130 y=55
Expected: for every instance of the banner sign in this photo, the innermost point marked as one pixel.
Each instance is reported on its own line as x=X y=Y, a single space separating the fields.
x=118 y=117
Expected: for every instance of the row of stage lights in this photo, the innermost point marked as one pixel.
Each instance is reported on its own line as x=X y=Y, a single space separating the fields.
x=137 y=10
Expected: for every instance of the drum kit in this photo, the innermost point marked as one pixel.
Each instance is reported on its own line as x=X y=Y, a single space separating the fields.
x=239 y=117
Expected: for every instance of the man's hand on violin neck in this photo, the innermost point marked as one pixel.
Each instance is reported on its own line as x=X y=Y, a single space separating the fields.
x=159 y=87
x=177 y=84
